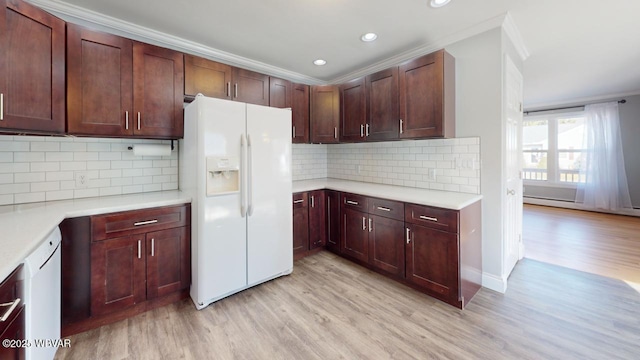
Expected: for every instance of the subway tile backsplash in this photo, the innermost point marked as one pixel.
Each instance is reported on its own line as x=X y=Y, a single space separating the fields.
x=440 y=164
x=42 y=168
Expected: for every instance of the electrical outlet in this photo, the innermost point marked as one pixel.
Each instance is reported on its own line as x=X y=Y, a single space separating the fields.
x=82 y=180
x=359 y=169
x=432 y=174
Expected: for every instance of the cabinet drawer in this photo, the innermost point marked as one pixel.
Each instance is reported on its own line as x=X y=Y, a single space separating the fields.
x=138 y=221
x=436 y=218
x=386 y=208
x=355 y=202
x=300 y=200
x=10 y=292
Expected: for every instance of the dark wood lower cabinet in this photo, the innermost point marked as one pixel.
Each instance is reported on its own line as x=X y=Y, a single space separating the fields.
x=14 y=331
x=300 y=224
x=355 y=236
x=117 y=274
x=168 y=268
x=12 y=328
x=386 y=244
x=317 y=219
x=333 y=220
x=432 y=260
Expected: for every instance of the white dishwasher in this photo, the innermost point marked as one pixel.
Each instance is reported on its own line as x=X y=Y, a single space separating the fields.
x=42 y=297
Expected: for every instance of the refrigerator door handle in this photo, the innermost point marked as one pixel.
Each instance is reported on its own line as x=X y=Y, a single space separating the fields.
x=243 y=197
x=249 y=177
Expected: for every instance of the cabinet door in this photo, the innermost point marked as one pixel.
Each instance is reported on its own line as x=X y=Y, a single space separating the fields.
x=353 y=110
x=317 y=219
x=206 y=77
x=300 y=114
x=325 y=114
x=382 y=105
x=432 y=260
x=32 y=69
x=168 y=261
x=158 y=82
x=421 y=96
x=14 y=331
x=250 y=87
x=333 y=220
x=300 y=223
x=386 y=244
x=280 y=92
x=117 y=274
x=99 y=83
x=355 y=234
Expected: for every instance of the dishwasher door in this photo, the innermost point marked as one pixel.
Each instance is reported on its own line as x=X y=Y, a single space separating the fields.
x=42 y=298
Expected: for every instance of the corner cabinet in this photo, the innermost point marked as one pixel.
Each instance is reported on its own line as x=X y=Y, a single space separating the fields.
x=325 y=114
x=121 y=264
x=32 y=69
x=427 y=96
x=118 y=87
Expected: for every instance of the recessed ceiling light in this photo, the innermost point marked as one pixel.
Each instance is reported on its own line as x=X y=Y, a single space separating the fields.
x=369 y=37
x=319 y=62
x=439 y=3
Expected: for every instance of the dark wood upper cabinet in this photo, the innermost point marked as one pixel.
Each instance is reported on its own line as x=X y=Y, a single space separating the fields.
x=100 y=83
x=325 y=114
x=317 y=219
x=427 y=96
x=300 y=113
x=32 y=69
x=158 y=82
x=250 y=87
x=210 y=78
x=353 y=111
x=280 y=92
x=382 y=105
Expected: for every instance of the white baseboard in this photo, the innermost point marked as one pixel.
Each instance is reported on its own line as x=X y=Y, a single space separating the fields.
x=575 y=206
x=494 y=283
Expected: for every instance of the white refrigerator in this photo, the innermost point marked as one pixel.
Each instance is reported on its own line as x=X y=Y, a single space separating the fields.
x=235 y=162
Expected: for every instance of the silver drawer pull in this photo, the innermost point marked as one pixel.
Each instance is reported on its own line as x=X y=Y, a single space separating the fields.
x=298 y=201
x=352 y=202
x=145 y=222
x=383 y=208
x=13 y=305
x=428 y=218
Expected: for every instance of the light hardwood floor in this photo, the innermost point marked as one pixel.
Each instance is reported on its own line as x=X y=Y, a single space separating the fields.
x=330 y=308
x=598 y=243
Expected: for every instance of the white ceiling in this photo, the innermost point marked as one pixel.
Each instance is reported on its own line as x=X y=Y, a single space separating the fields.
x=579 y=49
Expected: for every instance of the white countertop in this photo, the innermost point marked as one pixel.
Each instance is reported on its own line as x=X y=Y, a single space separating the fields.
x=442 y=199
x=23 y=227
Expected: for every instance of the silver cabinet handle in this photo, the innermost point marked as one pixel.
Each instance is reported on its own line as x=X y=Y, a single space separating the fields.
x=236 y=89
x=12 y=306
x=229 y=89
x=352 y=202
x=364 y=223
x=370 y=224
x=313 y=204
x=294 y=131
x=361 y=130
x=1 y=106
x=126 y=117
x=401 y=123
x=139 y=249
x=428 y=218
x=298 y=201
x=138 y=120
x=408 y=236
x=145 y=222
x=153 y=247
x=367 y=132
x=383 y=208
x=335 y=132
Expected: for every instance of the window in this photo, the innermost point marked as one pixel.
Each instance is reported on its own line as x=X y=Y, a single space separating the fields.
x=552 y=147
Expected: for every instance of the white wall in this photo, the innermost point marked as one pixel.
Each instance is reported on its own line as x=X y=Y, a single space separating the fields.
x=44 y=168
x=479 y=113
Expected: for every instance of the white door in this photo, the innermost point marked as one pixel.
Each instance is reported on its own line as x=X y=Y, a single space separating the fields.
x=513 y=249
x=270 y=215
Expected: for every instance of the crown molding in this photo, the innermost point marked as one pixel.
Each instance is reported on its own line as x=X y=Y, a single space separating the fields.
x=494 y=22
x=116 y=26
x=513 y=33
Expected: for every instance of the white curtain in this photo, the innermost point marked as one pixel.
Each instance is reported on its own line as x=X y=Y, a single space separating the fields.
x=606 y=179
